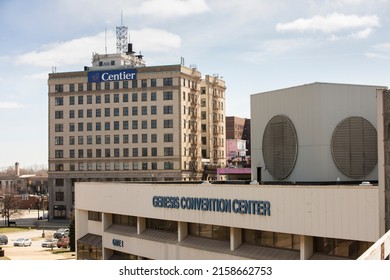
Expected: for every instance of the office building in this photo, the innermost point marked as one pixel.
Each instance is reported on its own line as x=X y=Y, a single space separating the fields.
x=120 y=120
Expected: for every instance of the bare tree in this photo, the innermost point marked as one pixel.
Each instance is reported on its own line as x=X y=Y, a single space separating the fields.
x=10 y=206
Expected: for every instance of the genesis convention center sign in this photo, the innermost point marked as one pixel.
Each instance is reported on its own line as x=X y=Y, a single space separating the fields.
x=112 y=75
x=237 y=206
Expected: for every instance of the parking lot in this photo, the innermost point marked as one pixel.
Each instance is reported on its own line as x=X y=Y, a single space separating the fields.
x=34 y=252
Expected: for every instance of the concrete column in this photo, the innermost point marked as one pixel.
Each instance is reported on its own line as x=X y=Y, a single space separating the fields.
x=182 y=231
x=235 y=238
x=306 y=247
x=141 y=225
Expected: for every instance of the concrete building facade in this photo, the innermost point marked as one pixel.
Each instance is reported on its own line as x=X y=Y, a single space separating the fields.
x=304 y=138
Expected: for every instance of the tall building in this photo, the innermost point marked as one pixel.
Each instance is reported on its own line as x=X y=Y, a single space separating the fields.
x=240 y=129
x=120 y=120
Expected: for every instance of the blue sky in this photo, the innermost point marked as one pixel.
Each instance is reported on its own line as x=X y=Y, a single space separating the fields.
x=254 y=45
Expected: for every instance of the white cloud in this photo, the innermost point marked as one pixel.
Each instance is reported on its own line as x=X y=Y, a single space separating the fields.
x=11 y=105
x=381 y=51
x=331 y=23
x=79 y=51
x=169 y=8
x=154 y=40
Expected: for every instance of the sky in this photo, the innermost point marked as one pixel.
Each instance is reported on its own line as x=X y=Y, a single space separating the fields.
x=255 y=46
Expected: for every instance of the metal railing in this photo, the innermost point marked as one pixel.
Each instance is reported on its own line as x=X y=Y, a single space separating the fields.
x=380 y=250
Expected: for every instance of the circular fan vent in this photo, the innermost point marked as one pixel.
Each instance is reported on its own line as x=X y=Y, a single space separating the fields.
x=354 y=147
x=280 y=147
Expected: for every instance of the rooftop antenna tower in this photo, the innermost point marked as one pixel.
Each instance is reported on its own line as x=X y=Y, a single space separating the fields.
x=121 y=37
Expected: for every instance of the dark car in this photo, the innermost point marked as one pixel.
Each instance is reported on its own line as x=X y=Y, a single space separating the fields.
x=61 y=233
x=3 y=239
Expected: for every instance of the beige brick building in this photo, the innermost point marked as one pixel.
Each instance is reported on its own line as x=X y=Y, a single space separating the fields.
x=122 y=121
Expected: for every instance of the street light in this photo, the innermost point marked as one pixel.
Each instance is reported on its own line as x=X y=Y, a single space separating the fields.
x=43 y=216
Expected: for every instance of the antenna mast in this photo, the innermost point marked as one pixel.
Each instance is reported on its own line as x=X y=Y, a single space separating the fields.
x=121 y=37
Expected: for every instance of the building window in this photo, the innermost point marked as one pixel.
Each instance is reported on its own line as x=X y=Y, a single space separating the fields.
x=154 y=165
x=144 y=166
x=59 y=101
x=168 y=137
x=153 y=123
x=134 y=125
x=144 y=110
x=59 y=140
x=60 y=196
x=59 y=182
x=153 y=96
x=80 y=87
x=59 y=88
x=144 y=124
x=167 y=82
x=168 y=109
x=134 y=111
x=153 y=82
x=58 y=114
x=59 y=153
x=94 y=216
x=209 y=231
x=59 y=127
x=340 y=247
x=106 y=98
x=134 y=97
x=135 y=152
x=125 y=97
x=168 y=123
x=154 y=152
x=163 y=225
x=153 y=110
x=135 y=138
x=167 y=95
x=125 y=125
x=80 y=99
x=144 y=152
x=153 y=138
x=116 y=98
x=124 y=220
x=168 y=165
x=168 y=151
x=125 y=111
x=98 y=99
x=144 y=83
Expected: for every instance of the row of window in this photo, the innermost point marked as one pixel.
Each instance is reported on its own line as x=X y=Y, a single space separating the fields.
x=115 y=98
x=143 y=83
x=88 y=153
x=117 y=166
x=59 y=114
x=330 y=246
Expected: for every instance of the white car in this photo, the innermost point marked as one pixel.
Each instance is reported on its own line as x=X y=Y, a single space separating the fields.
x=23 y=242
x=49 y=243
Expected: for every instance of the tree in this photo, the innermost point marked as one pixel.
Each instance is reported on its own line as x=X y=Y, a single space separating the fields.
x=72 y=235
x=11 y=206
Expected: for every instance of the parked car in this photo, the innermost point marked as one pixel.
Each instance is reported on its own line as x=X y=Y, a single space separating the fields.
x=63 y=242
x=23 y=242
x=49 y=243
x=3 y=239
x=61 y=233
